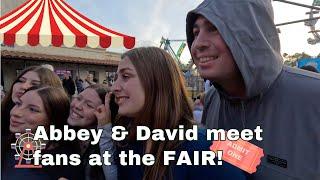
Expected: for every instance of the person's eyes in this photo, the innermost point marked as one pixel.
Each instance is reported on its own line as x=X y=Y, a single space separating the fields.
x=35 y=84
x=21 y=80
x=212 y=29
x=195 y=32
x=78 y=98
x=17 y=103
x=32 y=109
x=90 y=105
x=125 y=76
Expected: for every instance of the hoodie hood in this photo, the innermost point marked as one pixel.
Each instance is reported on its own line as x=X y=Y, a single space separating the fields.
x=248 y=29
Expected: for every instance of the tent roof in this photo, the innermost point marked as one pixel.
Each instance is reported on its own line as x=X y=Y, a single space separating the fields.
x=54 y=22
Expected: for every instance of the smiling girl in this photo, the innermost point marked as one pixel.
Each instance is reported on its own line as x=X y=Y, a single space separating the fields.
x=85 y=113
x=39 y=107
x=29 y=77
x=149 y=89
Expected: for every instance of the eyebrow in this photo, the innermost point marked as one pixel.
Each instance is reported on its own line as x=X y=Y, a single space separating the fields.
x=33 y=105
x=85 y=100
x=206 y=22
x=125 y=69
x=31 y=80
x=18 y=101
x=23 y=78
x=88 y=101
x=79 y=95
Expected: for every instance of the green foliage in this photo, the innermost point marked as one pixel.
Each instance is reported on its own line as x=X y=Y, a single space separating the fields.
x=291 y=60
x=316 y=3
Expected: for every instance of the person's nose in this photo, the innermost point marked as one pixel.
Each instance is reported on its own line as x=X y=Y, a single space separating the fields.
x=201 y=42
x=78 y=105
x=16 y=112
x=116 y=86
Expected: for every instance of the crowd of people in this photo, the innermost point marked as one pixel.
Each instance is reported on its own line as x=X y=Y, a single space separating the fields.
x=78 y=85
x=156 y=101
x=235 y=46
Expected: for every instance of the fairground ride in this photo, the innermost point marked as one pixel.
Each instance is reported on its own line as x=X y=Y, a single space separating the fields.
x=311 y=22
x=165 y=43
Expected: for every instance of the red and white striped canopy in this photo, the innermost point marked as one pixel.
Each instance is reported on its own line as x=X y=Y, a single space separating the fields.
x=54 y=22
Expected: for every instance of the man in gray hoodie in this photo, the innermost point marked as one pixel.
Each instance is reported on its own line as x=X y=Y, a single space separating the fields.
x=234 y=43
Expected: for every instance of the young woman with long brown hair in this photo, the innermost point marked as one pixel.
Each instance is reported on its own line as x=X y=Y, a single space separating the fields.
x=149 y=89
x=29 y=77
x=42 y=106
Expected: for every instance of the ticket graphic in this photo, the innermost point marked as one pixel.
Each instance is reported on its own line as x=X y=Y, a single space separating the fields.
x=240 y=153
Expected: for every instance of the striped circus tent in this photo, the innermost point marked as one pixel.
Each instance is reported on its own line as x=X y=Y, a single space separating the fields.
x=54 y=22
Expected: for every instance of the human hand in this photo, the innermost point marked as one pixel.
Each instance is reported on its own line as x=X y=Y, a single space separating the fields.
x=103 y=113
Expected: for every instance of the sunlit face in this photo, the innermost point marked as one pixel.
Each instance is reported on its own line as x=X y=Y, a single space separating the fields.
x=83 y=107
x=128 y=90
x=25 y=82
x=210 y=53
x=28 y=113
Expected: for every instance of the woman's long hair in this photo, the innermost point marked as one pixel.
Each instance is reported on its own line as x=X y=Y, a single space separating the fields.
x=166 y=103
x=47 y=77
x=56 y=104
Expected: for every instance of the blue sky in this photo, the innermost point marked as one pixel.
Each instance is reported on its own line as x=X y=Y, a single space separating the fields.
x=149 y=20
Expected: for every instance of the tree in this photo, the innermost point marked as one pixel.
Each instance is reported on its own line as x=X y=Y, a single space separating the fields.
x=291 y=60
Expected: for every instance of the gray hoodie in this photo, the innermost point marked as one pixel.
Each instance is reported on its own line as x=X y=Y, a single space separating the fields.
x=284 y=101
